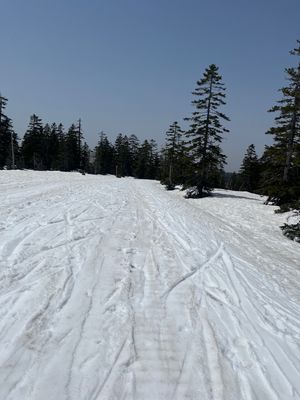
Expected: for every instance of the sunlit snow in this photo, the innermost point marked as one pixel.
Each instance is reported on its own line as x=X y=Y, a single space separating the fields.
x=117 y=289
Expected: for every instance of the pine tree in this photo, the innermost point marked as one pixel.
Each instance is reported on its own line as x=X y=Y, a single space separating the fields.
x=281 y=175
x=119 y=156
x=79 y=144
x=53 y=148
x=61 y=152
x=45 y=144
x=143 y=160
x=4 y=136
x=147 y=161
x=127 y=160
x=9 y=148
x=153 y=161
x=85 y=158
x=206 y=130
x=249 y=171
x=72 y=149
x=33 y=144
x=172 y=152
x=133 y=150
x=103 y=156
x=122 y=156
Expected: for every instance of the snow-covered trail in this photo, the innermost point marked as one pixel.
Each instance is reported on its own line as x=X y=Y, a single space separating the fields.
x=116 y=289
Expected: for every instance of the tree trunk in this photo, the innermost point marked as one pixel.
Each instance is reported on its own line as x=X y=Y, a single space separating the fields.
x=170 y=173
x=203 y=161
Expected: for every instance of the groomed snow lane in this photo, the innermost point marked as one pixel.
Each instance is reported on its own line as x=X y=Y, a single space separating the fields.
x=116 y=289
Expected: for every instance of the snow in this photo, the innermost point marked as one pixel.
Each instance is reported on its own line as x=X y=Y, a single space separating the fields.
x=117 y=289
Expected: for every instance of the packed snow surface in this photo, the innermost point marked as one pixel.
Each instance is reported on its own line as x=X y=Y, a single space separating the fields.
x=117 y=289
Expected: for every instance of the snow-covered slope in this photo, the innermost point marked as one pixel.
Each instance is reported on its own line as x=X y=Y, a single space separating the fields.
x=116 y=289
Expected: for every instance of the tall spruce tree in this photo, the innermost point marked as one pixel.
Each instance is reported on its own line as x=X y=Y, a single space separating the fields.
x=8 y=139
x=103 y=156
x=172 y=152
x=153 y=161
x=72 y=149
x=33 y=144
x=85 y=158
x=147 y=161
x=4 y=133
x=249 y=171
x=53 y=147
x=206 y=130
x=281 y=160
x=61 y=152
x=45 y=144
x=122 y=155
x=79 y=145
x=134 y=145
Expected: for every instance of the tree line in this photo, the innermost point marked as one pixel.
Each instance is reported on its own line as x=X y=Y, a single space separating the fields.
x=192 y=158
x=51 y=147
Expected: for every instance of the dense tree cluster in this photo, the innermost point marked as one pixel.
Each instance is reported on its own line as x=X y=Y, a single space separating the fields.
x=192 y=159
x=127 y=157
x=51 y=147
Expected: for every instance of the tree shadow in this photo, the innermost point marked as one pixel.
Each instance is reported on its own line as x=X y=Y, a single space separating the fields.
x=225 y=195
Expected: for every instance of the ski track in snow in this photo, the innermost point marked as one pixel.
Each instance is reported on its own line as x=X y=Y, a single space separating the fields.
x=117 y=289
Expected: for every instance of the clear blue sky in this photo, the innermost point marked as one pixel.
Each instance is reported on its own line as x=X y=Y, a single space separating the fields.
x=130 y=65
